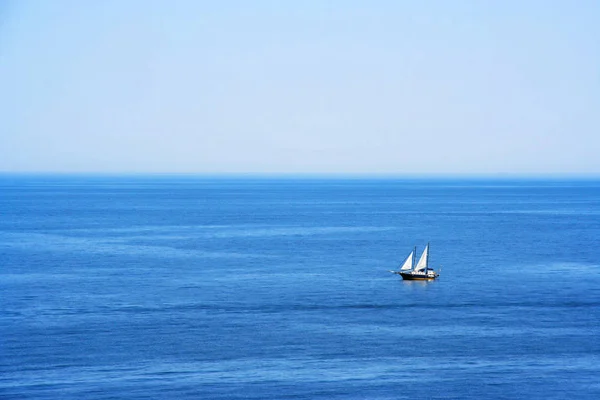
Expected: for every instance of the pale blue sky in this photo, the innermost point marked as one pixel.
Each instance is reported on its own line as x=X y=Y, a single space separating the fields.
x=396 y=87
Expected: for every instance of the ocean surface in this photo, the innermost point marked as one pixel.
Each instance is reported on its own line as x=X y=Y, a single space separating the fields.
x=181 y=287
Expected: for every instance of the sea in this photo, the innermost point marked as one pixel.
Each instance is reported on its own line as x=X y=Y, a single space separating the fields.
x=249 y=287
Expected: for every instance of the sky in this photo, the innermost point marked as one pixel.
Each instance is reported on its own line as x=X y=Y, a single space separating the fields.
x=300 y=87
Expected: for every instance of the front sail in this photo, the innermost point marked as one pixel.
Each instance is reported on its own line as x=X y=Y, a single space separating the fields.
x=409 y=262
x=423 y=261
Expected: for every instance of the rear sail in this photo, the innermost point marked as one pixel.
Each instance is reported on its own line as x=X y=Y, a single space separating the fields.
x=424 y=260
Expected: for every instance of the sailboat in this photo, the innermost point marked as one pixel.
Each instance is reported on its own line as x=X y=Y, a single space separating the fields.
x=419 y=271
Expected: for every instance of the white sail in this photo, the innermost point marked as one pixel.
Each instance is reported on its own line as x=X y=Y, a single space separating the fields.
x=423 y=261
x=408 y=264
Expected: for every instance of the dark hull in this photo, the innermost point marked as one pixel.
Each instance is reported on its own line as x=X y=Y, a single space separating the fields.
x=407 y=276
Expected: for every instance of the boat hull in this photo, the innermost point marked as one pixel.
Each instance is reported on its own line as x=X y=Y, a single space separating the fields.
x=407 y=276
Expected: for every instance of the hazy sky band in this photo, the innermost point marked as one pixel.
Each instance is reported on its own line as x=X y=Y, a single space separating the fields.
x=300 y=87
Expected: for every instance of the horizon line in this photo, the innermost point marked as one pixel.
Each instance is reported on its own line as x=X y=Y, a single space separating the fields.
x=313 y=175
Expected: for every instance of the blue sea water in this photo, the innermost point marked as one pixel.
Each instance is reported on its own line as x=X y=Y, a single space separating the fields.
x=175 y=287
